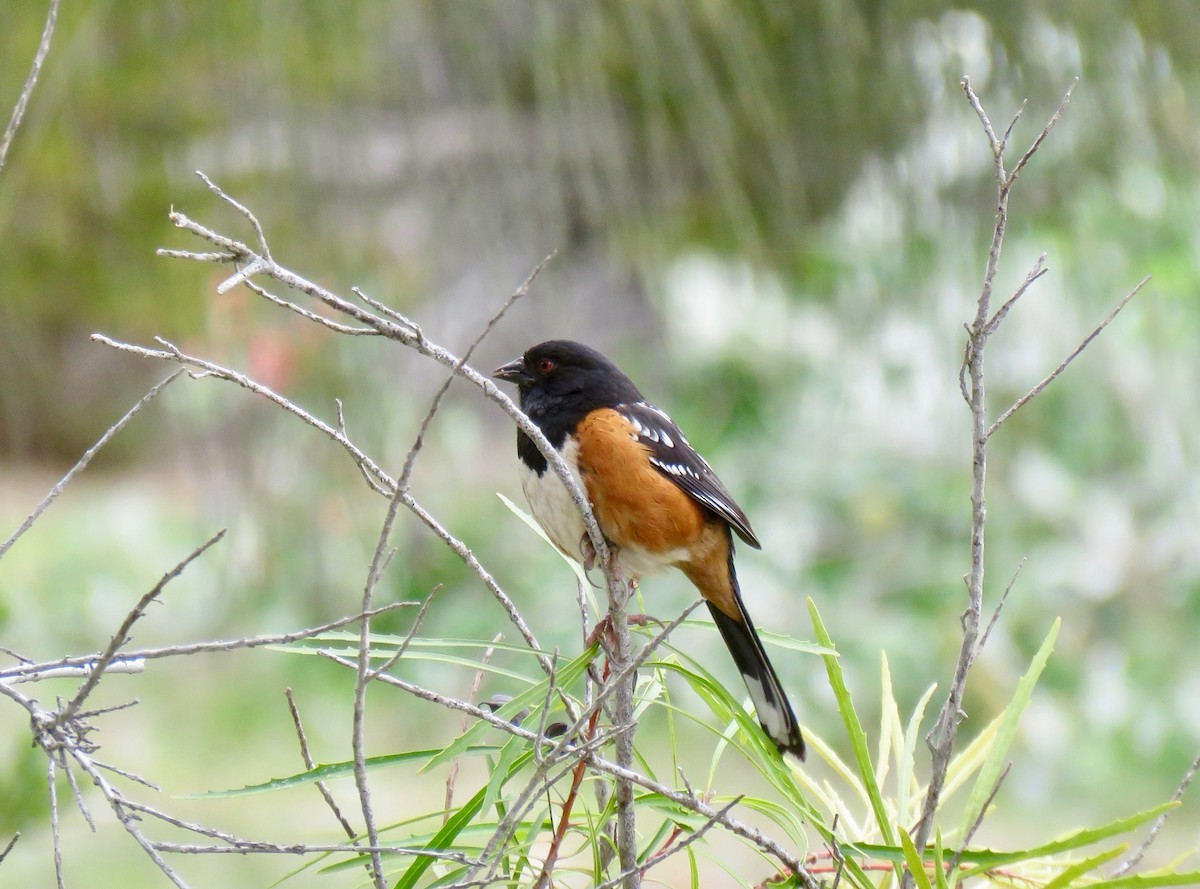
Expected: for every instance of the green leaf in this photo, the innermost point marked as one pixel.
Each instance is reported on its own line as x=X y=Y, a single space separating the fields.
x=1146 y=881
x=939 y=869
x=332 y=770
x=1067 y=877
x=442 y=841
x=906 y=760
x=915 y=866
x=987 y=859
x=858 y=738
x=993 y=765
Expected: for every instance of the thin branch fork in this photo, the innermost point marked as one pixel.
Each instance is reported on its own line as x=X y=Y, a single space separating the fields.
x=941 y=738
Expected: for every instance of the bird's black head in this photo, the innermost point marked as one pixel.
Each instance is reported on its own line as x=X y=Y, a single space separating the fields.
x=560 y=382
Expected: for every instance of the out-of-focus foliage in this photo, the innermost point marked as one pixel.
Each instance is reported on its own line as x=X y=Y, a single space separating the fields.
x=774 y=215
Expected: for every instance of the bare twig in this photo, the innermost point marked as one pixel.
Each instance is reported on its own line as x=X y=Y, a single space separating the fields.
x=9 y=846
x=1039 y=269
x=83 y=664
x=347 y=329
x=363 y=677
x=1159 y=822
x=40 y=672
x=264 y=848
x=122 y=634
x=39 y=57
x=128 y=820
x=941 y=738
x=987 y=631
x=83 y=462
x=56 y=837
x=970 y=835
x=310 y=764
x=258 y=230
x=1037 y=390
x=1041 y=137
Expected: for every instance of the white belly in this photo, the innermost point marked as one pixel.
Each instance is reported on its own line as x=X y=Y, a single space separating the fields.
x=559 y=517
x=552 y=505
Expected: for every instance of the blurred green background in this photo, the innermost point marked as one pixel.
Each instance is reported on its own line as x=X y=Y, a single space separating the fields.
x=773 y=215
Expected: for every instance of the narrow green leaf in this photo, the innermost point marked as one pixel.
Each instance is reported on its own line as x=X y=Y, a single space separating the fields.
x=1067 y=877
x=989 y=773
x=906 y=762
x=1146 y=881
x=503 y=769
x=441 y=841
x=891 y=733
x=332 y=770
x=986 y=859
x=939 y=868
x=858 y=738
x=915 y=866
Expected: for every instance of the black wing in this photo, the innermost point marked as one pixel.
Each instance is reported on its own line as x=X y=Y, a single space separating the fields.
x=673 y=455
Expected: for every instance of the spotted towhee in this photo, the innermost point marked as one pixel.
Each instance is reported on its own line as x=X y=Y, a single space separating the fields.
x=657 y=501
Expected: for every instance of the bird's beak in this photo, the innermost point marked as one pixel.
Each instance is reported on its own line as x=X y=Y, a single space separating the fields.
x=513 y=372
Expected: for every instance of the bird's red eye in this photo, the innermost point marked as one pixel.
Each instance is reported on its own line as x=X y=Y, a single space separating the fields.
x=545 y=365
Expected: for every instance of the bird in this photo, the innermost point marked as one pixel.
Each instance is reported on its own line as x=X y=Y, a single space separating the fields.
x=656 y=500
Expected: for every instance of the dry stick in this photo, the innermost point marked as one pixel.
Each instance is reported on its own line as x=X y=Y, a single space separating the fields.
x=941 y=738
x=119 y=638
x=88 y=661
x=79 y=803
x=39 y=57
x=83 y=462
x=311 y=316
x=1037 y=390
x=310 y=764
x=8 y=848
x=408 y=637
x=363 y=677
x=1137 y=856
x=128 y=820
x=242 y=846
x=970 y=835
x=56 y=837
x=245 y=848
x=987 y=631
x=40 y=672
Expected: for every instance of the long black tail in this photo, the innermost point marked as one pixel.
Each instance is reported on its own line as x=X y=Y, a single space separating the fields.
x=774 y=710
